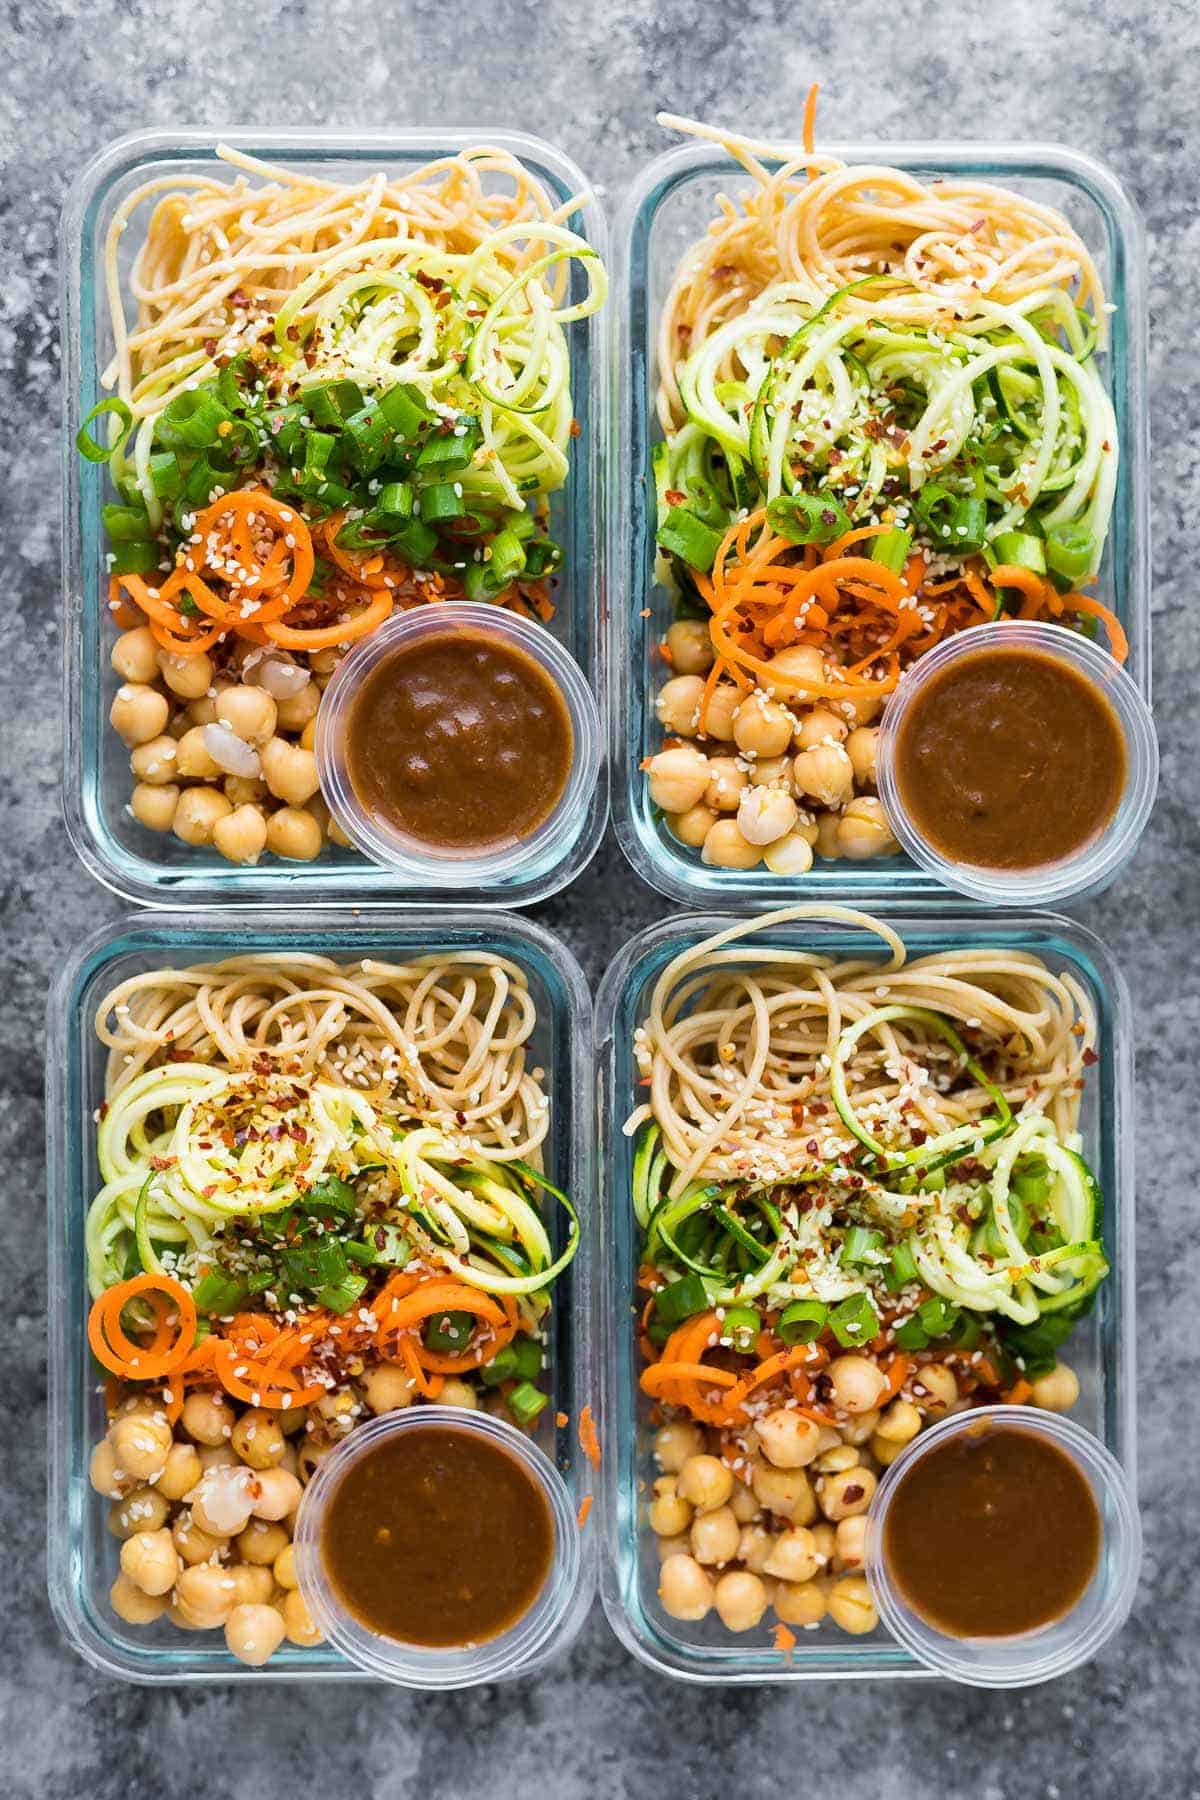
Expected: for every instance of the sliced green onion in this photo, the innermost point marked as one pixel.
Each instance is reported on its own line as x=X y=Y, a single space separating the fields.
x=1020 y=549
x=808 y=518
x=955 y=522
x=681 y=1299
x=860 y=1246
x=452 y=448
x=542 y=557
x=395 y=500
x=192 y=420
x=126 y=524
x=684 y=535
x=741 y=1325
x=854 y=1322
x=405 y=410
x=341 y=1295
x=219 y=1294
x=86 y=444
x=891 y=548
x=911 y=1336
x=802 y=1322
x=332 y=403
x=526 y=1402
x=528 y=1353
x=904 y=1264
x=1071 y=552
x=503 y=1367
x=166 y=477
x=137 y=558
x=507 y=560
x=442 y=501
x=937 y=1316
x=416 y=544
x=450 y=1331
x=330 y=1194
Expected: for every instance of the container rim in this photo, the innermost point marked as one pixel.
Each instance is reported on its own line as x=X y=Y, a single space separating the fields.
x=147 y=931
x=672 y=871
x=948 y=918
x=499 y=1658
x=1087 y=870
x=134 y=875
x=1062 y=1644
x=380 y=841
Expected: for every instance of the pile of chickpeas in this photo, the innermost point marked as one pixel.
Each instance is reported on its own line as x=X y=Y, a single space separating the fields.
x=225 y=757
x=206 y=1510
x=773 y=779
x=781 y=1522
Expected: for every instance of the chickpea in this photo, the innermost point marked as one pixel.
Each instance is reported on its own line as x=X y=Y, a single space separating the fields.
x=863 y=830
x=197 y=814
x=794 y=1556
x=765 y=814
x=856 y=1384
x=284 y=1568
x=790 y=855
x=250 y=1584
x=862 y=709
x=254 y=1633
x=144 y=1509
x=135 y=655
x=140 y=1444
x=217 y=1456
x=820 y=726
x=934 y=1388
x=825 y=1540
x=677 y=778
x=718 y=720
x=789 y=1440
x=690 y=647
x=886 y=1450
x=138 y=713
x=193 y=1544
x=685 y=1589
x=154 y=763
x=207 y=1418
x=773 y=771
x=741 y=1600
x=754 y=1547
x=693 y=826
x=725 y=784
x=743 y=1504
x=459 y=1393
x=900 y=1423
x=292 y=1419
x=851 y=1541
x=244 y=790
x=296 y=711
x=841 y=1456
x=207 y=1594
x=222 y=1502
x=786 y=1492
x=320 y=812
x=715 y=1535
x=826 y=844
x=678 y=705
x=860 y=1427
x=846 y=1492
x=860 y=748
x=705 y=1481
x=308 y=737
x=188 y=676
x=154 y=807
x=106 y=1474
x=150 y=1561
x=851 y=1605
x=192 y=760
x=289 y=772
x=248 y=711
x=762 y=726
x=1055 y=1391
x=241 y=836
x=310 y=1458
x=669 y=1515
x=293 y=834
x=133 y=1604
x=673 y=1546
x=802 y=665
x=261 y=1541
x=726 y=848
x=298 y=1622
x=800 y=1602
x=824 y=772
x=387 y=1388
x=675 y=1443
x=257 y=1439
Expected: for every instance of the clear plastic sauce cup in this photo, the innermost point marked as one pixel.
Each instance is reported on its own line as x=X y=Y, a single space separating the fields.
x=513 y=1650
x=1095 y=863
x=1061 y=1644
x=376 y=837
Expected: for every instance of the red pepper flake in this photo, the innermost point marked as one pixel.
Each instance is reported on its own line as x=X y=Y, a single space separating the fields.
x=1090 y=1058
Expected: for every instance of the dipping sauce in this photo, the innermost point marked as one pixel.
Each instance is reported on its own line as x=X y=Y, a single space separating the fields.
x=461 y=742
x=1009 y=759
x=994 y=1532
x=437 y=1537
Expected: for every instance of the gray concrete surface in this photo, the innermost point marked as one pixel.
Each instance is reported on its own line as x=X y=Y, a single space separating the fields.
x=1117 y=79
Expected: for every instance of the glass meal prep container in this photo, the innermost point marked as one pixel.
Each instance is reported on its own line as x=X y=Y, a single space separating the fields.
x=1101 y=1350
x=668 y=208
x=81 y=1553
x=156 y=868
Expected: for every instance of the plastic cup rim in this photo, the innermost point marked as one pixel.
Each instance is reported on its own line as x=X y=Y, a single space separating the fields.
x=1094 y=865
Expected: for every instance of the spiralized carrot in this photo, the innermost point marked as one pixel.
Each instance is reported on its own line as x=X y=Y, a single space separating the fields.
x=143 y=1362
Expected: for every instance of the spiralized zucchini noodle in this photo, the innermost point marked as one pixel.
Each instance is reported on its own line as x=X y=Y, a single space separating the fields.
x=313 y=1146
x=891 y=1145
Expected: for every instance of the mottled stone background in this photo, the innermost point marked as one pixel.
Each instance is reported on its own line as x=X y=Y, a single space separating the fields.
x=1117 y=78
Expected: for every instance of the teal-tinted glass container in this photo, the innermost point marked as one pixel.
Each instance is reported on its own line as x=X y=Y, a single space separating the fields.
x=1101 y=1350
x=669 y=208
x=81 y=1554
